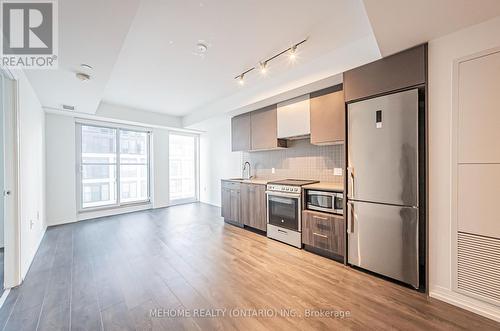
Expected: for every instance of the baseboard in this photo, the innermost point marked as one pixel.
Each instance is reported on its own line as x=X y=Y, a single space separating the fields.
x=32 y=257
x=481 y=308
x=210 y=203
x=113 y=211
x=4 y=296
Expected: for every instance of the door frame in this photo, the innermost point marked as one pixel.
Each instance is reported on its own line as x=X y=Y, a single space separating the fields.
x=12 y=233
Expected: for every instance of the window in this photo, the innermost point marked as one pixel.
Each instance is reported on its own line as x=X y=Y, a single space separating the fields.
x=183 y=167
x=114 y=164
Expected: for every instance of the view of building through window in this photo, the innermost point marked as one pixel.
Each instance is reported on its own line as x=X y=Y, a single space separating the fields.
x=182 y=163
x=111 y=160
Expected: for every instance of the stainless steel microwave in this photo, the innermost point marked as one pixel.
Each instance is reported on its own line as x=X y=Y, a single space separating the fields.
x=329 y=202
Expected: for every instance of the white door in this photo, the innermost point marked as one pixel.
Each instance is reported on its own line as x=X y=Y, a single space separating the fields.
x=10 y=181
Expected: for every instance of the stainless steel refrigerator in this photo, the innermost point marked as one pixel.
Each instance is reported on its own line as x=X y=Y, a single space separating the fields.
x=383 y=179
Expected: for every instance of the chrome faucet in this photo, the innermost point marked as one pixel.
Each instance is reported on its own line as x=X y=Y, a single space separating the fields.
x=244 y=168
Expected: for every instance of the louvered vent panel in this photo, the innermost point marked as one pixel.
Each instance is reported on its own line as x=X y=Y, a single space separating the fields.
x=479 y=265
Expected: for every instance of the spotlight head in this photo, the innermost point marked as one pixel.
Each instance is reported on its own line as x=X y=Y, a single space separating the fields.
x=263 y=67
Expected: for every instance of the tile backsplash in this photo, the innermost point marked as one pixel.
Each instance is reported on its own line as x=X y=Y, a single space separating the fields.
x=300 y=160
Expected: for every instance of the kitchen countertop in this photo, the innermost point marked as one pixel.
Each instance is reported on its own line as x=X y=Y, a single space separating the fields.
x=326 y=186
x=260 y=181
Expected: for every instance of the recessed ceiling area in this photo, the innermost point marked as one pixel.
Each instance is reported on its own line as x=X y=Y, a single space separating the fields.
x=89 y=33
x=179 y=58
x=160 y=69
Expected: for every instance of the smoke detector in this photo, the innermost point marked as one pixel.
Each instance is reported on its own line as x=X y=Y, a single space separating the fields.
x=82 y=76
x=201 y=47
x=84 y=72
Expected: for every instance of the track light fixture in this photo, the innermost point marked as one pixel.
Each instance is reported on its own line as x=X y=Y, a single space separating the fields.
x=263 y=65
x=241 y=79
x=293 y=53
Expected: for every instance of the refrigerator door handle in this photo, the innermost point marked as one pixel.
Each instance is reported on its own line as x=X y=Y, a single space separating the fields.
x=350 y=176
x=350 y=217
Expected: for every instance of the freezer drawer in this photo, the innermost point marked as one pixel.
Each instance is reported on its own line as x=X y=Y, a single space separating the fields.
x=384 y=239
x=383 y=149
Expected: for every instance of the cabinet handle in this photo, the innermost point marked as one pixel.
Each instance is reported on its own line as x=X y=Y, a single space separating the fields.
x=320 y=218
x=320 y=235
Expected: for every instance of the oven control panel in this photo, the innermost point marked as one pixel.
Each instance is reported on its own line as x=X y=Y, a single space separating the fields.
x=283 y=188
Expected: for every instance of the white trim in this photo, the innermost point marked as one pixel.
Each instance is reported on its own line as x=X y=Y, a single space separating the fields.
x=112 y=211
x=92 y=117
x=4 y=297
x=113 y=125
x=465 y=302
x=12 y=231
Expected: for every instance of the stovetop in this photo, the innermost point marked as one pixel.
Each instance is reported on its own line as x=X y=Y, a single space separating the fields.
x=294 y=182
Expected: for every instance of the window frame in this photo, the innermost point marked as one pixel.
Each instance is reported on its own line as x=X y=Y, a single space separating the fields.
x=79 y=165
x=196 y=197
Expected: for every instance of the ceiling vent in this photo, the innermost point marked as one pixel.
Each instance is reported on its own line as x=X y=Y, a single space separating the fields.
x=68 y=107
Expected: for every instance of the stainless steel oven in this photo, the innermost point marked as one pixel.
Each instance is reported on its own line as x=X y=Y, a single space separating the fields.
x=284 y=217
x=284 y=209
x=329 y=202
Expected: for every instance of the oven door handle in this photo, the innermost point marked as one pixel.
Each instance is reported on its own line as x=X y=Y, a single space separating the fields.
x=286 y=195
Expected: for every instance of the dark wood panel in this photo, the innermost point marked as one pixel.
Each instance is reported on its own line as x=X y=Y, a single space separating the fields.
x=226 y=203
x=241 y=133
x=398 y=71
x=235 y=215
x=246 y=205
x=260 y=210
x=324 y=231
x=264 y=129
x=328 y=116
x=253 y=206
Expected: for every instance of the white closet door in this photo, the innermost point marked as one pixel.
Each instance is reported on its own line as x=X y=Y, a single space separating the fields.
x=479 y=110
x=478 y=178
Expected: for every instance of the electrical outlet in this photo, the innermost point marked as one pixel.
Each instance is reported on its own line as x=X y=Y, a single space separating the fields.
x=32 y=223
x=273 y=170
x=337 y=171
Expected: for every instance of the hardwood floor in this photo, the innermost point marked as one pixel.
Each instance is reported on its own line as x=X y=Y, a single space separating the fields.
x=110 y=273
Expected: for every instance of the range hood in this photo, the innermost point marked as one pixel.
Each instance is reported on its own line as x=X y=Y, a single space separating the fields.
x=294 y=118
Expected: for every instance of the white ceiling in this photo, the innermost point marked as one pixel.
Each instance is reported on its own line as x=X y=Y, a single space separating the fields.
x=158 y=71
x=90 y=32
x=400 y=24
x=142 y=50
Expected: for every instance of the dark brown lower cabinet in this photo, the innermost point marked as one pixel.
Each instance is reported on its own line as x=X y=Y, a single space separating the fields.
x=230 y=202
x=323 y=231
x=253 y=206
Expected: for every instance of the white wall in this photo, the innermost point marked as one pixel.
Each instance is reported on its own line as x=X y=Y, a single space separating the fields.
x=135 y=115
x=31 y=172
x=160 y=168
x=442 y=54
x=60 y=169
x=61 y=172
x=216 y=159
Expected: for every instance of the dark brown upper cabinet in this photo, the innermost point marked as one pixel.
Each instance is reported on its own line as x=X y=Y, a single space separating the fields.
x=256 y=130
x=327 y=116
x=241 y=133
x=264 y=128
x=402 y=70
